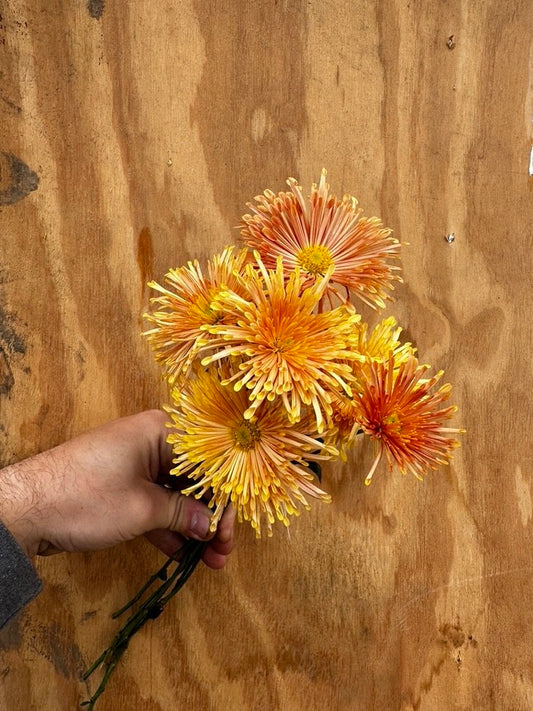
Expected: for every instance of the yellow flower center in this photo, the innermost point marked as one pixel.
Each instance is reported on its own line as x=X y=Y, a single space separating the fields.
x=315 y=259
x=213 y=316
x=207 y=312
x=246 y=435
x=391 y=419
x=280 y=345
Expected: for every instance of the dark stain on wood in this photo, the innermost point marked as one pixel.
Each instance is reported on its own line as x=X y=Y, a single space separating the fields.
x=88 y=615
x=8 y=336
x=16 y=179
x=11 y=636
x=6 y=374
x=96 y=8
x=54 y=644
x=145 y=256
x=11 y=344
x=11 y=104
x=452 y=635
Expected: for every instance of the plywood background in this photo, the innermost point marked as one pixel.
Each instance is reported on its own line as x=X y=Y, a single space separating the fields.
x=131 y=136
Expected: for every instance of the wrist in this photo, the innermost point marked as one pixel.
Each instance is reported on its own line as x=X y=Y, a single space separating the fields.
x=19 y=505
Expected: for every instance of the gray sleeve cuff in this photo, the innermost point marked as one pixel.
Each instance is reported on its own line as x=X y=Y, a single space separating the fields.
x=19 y=582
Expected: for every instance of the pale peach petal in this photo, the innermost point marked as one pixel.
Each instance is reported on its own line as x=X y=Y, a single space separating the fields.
x=322 y=231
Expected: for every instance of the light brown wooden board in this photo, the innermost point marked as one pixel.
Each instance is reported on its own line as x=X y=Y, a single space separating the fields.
x=132 y=134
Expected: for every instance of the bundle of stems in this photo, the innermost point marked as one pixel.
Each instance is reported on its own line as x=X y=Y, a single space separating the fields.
x=184 y=561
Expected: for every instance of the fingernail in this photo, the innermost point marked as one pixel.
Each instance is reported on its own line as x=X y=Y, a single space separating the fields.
x=199 y=525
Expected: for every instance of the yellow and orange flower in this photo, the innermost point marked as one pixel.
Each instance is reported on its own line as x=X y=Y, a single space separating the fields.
x=185 y=306
x=376 y=346
x=324 y=232
x=397 y=409
x=287 y=349
x=257 y=464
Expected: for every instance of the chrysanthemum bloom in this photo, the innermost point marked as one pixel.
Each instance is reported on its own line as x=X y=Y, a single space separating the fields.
x=378 y=345
x=287 y=349
x=187 y=305
x=397 y=409
x=256 y=464
x=321 y=232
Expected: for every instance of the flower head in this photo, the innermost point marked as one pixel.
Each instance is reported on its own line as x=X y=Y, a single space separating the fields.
x=287 y=349
x=257 y=464
x=397 y=409
x=377 y=346
x=185 y=306
x=324 y=232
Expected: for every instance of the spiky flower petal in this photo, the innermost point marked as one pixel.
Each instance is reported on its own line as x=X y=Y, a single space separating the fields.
x=287 y=349
x=397 y=409
x=382 y=340
x=376 y=346
x=321 y=232
x=257 y=464
x=185 y=306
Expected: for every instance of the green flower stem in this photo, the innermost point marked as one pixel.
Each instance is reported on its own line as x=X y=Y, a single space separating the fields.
x=162 y=574
x=189 y=555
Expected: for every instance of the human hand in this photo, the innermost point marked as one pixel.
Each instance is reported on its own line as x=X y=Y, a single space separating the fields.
x=100 y=489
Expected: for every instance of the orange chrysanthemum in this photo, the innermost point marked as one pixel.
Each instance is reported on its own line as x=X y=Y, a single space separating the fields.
x=186 y=306
x=287 y=349
x=397 y=409
x=376 y=346
x=324 y=232
x=258 y=464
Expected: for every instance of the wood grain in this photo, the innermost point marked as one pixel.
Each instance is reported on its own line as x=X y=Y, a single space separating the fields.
x=132 y=136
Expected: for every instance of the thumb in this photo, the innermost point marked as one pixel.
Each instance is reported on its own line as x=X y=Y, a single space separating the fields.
x=183 y=514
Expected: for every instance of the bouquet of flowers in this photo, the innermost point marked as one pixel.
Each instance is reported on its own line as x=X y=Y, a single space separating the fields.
x=271 y=371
